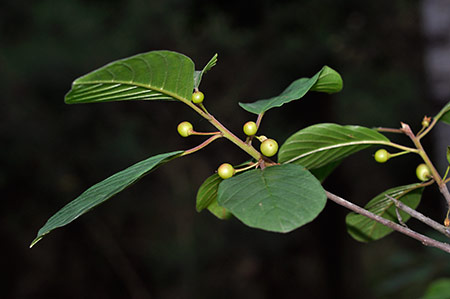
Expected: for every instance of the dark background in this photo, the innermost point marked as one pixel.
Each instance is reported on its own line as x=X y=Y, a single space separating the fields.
x=149 y=242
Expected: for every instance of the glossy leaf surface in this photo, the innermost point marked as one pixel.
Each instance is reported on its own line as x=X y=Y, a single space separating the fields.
x=321 y=144
x=365 y=229
x=326 y=80
x=279 y=198
x=103 y=191
x=207 y=197
x=323 y=172
x=156 y=75
x=208 y=192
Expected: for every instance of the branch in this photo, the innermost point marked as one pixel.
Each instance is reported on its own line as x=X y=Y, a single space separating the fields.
x=421 y=217
x=427 y=241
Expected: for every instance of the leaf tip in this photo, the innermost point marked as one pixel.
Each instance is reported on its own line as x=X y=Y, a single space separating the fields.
x=35 y=241
x=329 y=81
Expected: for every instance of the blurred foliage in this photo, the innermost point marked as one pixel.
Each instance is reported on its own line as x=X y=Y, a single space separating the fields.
x=150 y=241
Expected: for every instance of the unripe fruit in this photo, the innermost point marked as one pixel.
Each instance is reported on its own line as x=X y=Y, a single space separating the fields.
x=425 y=122
x=250 y=128
x=269 y=147
x=225 y=171
x=381 y=155
x=185 y=129
x=423 y=172
x=197 y=97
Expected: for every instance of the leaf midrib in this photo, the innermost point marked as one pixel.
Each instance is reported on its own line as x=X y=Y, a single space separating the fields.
x=333 y=147
x=161 y=89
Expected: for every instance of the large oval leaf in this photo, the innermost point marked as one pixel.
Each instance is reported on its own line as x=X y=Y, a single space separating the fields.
x=103 y=191
x=365 y=229
x=156 y=75
x=320 y=144
x=279 y=198
x=326 y=80
x=207 y=197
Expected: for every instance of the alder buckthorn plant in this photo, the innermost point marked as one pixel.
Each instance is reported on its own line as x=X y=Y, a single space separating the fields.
x=276 y=188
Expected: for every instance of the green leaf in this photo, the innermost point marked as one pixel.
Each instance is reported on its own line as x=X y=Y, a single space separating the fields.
x=103 y=191
x=323 y=172
x=208 y=192
x=218 y=211
x=321 y=144
x=444 y=114
x=156 y=75
x=207 y=197
x=365 y=229
x=438 y=289
x=199 y=74
x=279 y=198
x=329 y=81
x=326 y=80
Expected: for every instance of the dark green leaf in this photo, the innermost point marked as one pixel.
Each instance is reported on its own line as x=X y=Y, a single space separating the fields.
x=218 y=211
x=279 y=198
x=444 y=114
x=207 y=197
x=323 y=172
x=156 y=75
x=438 y=289
x=365 y=229
x=329 y=81
x=208 y=192
x=199 y=74
x=103 y=191
x=321 y=144
x=326 y=80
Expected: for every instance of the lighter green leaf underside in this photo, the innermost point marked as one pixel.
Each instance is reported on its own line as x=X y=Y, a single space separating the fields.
x=326 y=80
x=207 y=192
x=103 y=191
x=364 y=229
x=207 y=197
x=321 y=144
x=279 y=198
x=156 y=75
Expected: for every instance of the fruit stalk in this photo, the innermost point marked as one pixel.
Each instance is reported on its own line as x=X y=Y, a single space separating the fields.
x=225 y=132
x=441 y=183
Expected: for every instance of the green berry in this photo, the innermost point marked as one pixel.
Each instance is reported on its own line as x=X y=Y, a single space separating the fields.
x=423 y=172
x=185 y=129
x=269 y=147
x=382 y=155
x=250 y=128
x=425 y=122
x=197 y=97
x=225 y=171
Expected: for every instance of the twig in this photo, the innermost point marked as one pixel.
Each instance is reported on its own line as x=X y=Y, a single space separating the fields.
x=389 y=130
x=421 y=217
x=427 y=241
x=399 y=217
